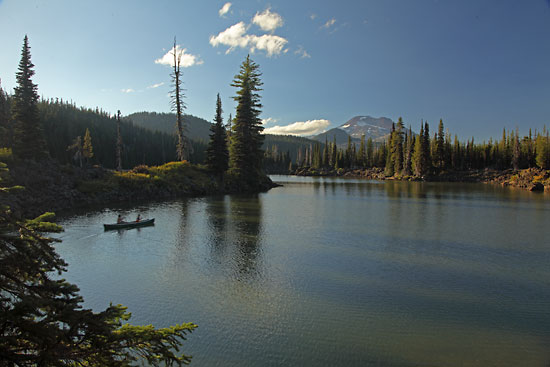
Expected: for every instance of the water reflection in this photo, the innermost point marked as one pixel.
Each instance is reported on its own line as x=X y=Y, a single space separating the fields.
x=246 y=213
x=217 y=218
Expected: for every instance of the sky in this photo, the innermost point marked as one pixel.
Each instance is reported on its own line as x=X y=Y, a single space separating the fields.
x=480 y=65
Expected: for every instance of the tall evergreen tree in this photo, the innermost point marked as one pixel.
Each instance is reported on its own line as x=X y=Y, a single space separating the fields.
x=426 y=146
x=397 y=147
x=370 y=153
x=407 y=153
x=439 y=158
x=419 y=154
x=29 y=139
x=217 y=154
x=361 y=155
x=246 y=139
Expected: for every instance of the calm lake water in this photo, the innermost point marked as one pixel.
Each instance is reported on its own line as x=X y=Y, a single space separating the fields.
x=332 y=272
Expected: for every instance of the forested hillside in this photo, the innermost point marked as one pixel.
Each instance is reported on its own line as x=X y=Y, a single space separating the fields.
x=63 y=122
x=196 y=127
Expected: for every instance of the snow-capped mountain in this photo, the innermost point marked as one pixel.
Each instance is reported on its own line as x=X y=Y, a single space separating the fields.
x=372 y=127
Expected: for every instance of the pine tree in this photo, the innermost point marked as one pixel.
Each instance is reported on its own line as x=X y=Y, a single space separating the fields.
x=407 y=154
x=439 y=158
x=326 y=153
x=516 y=153
x=29 y=139
x=246 y=139
x=419 y=154
x=361 y=155
x=370 y=153
x=426 y=146
x=334 y=159
x=543 y=150
x=217 y=154
x=87 y=149
x=397 y=147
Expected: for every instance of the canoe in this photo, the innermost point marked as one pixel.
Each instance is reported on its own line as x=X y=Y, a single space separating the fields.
x=124 y=225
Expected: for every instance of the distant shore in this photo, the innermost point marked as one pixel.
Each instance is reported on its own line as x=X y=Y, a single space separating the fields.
x=532 y=179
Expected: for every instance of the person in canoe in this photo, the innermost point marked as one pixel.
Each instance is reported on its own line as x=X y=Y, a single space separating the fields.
x=138 y=218
x=120 y=219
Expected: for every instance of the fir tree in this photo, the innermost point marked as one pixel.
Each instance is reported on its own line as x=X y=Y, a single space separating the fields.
x=29 y=139
x=370 y=153
x=440 y=147
x=246 y=139
x=419 y=154
x=361 y=155
x=217 y=154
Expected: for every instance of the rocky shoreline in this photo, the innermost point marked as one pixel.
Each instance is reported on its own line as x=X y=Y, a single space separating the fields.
x=532 y=179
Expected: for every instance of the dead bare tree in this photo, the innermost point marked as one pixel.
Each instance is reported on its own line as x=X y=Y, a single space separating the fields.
x=178 y=105
x=118 y=143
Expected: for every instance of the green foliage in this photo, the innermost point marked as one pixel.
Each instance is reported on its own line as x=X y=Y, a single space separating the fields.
x=42 y=319
x=28 y=135
x=246 y=139
x=217 y=154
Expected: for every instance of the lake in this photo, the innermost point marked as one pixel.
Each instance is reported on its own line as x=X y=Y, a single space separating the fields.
x=331 y=272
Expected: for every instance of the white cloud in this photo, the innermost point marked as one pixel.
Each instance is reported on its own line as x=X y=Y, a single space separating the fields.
x=302 y=53
x=186 y=60
x=269 y=120
x=155 y=85
x=235 y=36
x=310 y=127
x=329 y=23
x=313 y=16
x=128 y=90
x=225 y=9
x=269 y=43
x=267 y=20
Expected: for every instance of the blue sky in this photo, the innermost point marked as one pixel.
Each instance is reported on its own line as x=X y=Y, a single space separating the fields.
x=479 y=65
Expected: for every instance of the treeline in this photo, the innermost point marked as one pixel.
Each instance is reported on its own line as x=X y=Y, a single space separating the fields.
x=405 y=153
x=63 y=122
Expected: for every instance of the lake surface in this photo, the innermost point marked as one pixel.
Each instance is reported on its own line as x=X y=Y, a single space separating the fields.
x=332 y=272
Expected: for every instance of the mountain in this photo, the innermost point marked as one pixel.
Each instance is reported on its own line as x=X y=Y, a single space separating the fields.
x=372 y=127
x=197 y=128
x=376 y=128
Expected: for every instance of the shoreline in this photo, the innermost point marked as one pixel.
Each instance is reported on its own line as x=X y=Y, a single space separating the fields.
x=51 y=187
x=531 y=179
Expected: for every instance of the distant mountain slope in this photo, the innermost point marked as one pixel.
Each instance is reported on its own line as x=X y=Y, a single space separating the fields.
x=198 y=128
x=340 y=135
